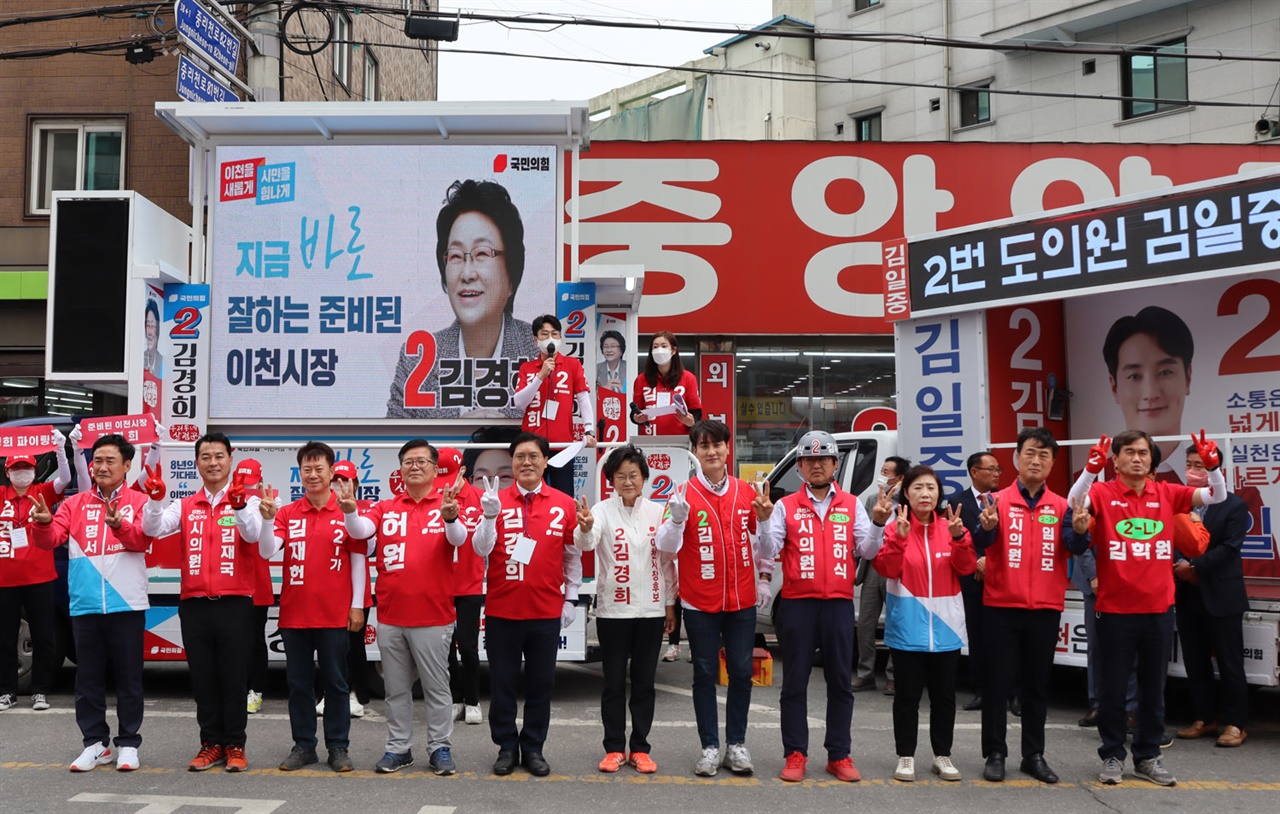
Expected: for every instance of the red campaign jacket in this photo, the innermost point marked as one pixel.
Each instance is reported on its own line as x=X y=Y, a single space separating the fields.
x=468 y=566
x=716 y=561
x=818 y=555
x=1027 y=560
x=216 y=560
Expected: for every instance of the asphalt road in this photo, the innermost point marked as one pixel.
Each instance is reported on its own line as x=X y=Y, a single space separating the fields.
x=35 y=749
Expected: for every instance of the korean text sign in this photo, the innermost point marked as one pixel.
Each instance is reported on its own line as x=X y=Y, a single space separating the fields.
x=359 y=282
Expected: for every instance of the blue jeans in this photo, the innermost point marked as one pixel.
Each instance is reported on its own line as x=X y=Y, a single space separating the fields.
x=736 y=630
x=304 y=649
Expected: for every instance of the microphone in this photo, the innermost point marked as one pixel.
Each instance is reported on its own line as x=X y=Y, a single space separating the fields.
x=551 y=349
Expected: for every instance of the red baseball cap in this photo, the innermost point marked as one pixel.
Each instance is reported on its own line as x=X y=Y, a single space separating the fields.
x=450 y=461
x=14 y=460
x=346 y=469
x=250 y=470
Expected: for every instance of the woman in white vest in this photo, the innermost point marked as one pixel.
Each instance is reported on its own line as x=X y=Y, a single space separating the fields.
x=634 y=596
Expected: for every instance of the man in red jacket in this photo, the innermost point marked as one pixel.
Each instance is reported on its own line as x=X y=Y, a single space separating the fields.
x=219 y=527
x=535 y=573
x=1027 y=535
x=819 y=529
x=718 y=589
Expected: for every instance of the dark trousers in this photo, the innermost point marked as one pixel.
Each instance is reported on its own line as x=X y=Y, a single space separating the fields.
x=216 y=635
x=915 y=670
x=114 y=638
x=674 y=637
x=804 y=624
x=358 y=664
x=258 y=653
x=560 y=478
x=708 y=632
x=1222 y=638
x=1019 y=648
x=464 y=652
x=971 y=593
x=305 y=649
x=37 y=600
x=639 y=641
x=1121 y=637
x=506 y=640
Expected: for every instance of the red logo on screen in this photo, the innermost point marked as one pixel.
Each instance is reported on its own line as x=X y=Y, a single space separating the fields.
x=238 y=180
x=500 y=162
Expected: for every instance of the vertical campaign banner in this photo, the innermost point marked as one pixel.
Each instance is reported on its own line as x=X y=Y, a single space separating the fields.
x=718 y=391
x=941 y=385
x=185 y=406
x=1172 y=359
x=576 y=310
x=362 y=282
x=152 y=357
x=612 y=376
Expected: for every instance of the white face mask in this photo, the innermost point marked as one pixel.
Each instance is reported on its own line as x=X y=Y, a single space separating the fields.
x=661 y=355
x=22 y=478
x=547 y=346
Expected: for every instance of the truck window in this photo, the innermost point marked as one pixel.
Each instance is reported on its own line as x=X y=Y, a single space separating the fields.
x=864 y=466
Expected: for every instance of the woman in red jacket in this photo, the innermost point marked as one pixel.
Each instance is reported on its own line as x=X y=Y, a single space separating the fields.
x=665 y=382
x=923 y=555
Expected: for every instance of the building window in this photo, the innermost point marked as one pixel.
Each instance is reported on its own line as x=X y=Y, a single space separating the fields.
x=975 y=105
x=342 y=48
x=866 y=128
x=370 y=75
x=74 y=154
x=862 y=5
x=1158 y=73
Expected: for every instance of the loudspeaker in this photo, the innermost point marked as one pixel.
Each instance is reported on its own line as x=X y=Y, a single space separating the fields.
x=431 y=28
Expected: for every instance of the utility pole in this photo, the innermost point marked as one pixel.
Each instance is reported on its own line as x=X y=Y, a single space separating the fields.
x=264 y=61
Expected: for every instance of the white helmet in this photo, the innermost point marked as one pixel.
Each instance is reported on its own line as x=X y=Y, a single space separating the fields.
x=817 y=444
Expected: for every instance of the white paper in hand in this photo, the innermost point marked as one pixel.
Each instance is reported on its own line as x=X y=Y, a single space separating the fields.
x=567 y=454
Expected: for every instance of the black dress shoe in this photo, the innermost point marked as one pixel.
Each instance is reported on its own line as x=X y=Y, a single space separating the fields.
x=994 y=770
x=1037 y=768
x=974 y=703
x=505 y=764
x=1015 y=707
x=1090 y=718
x=536 y=764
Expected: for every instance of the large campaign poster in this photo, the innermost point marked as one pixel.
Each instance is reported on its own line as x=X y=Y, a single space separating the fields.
x=361 y=282
x=1172 y=359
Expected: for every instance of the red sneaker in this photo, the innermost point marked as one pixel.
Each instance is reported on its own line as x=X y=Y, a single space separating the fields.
x=613 y=761
x=793 y=772
x=643 y=763
x=844 y=769
x=210 y=756
x=236 y=761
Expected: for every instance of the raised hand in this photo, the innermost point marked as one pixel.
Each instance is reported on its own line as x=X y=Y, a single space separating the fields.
x=1080 y=516
x=154 y=484
x=40 y=511
x=1098 y=456
x=59 y=439
x=585 y=519
x=76 y=435
x=346 y=491
x=235 y=492
x=548 y=367
x=989 y=517
x=490 y=502
x=955 y=523
x=161 y=432
x=883 y=508
x=113 y=518
x=762 y=504
x=267 y=508
x=678 y=507
x=1207 y=450
x=449 y=499
x=904 y=522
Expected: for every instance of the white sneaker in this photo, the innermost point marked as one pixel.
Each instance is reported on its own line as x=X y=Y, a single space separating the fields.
x=7 y=701
x=944 y=768
x=459 y=711
x=320 y=707
x=357 y=709
x=253 y=702
x=737 y=759
x=127 y=760
x=93 y=756
x=709 y=763
x=39 y=702
x=473 y=715
x=672 y=654
x=906 y=771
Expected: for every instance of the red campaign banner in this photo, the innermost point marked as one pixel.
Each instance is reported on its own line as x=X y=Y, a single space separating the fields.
x=1026 y=381
x=716 y=385
x=32 y=440
x=611 y=412
x=789 y=237
x=136 y=429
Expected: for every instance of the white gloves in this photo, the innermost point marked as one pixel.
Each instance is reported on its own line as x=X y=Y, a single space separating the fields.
x=678 y=507
x=76 y=435
x=567 y=614
x=490 y=503
x=764 y=594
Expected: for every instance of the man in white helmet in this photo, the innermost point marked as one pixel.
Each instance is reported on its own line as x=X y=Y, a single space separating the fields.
x=818 y=529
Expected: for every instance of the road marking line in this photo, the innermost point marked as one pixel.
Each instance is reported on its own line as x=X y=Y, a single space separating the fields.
x=164 y=804
x=437 y=809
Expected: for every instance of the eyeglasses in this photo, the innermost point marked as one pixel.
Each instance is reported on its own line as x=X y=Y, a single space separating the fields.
x=636 y=478
x=479 y=256
x=532 y=457
x=416 y=463
x=995 y=469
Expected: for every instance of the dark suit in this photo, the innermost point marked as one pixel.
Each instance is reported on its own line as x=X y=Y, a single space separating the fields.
x=1211 y=615
x=971 y=589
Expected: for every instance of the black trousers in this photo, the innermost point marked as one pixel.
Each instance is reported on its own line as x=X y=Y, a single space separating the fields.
x=637 y=641
x=506 y=640
x=560 y=478
x=464 y=652
x=38 y=601
x=1222 y=638
x=674 y=637
x=115 y=639
x=216 y=634
x=358 y=664
x=971 y=593
x=803 y=625
x=258 y=655
x=914 y=670
x=1019 y=647
x=1121 y=637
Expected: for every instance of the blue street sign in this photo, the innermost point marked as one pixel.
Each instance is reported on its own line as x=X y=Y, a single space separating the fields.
x=207 y=36
x=197 y=85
